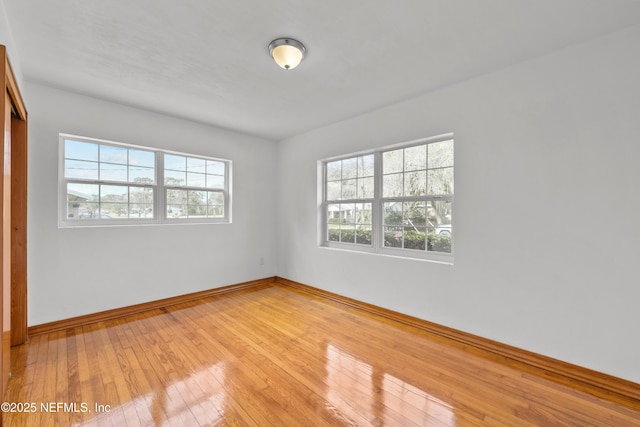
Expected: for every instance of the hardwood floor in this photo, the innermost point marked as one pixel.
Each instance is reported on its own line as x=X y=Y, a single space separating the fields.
x=273 y=356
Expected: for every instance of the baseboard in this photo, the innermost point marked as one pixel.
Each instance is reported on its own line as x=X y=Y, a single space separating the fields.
x=87 y=319
x=584 y=379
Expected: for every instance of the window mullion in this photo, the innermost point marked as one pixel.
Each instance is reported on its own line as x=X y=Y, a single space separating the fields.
x=159 y=190
x=324 y=217
x=377 y=232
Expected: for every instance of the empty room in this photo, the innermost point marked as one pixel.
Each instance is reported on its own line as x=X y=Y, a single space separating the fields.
x=320 y=213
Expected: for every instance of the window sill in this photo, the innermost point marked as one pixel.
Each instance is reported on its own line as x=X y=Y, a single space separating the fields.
x=436 y=258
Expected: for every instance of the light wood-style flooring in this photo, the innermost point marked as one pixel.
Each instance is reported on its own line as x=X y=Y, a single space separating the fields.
x=273 y=356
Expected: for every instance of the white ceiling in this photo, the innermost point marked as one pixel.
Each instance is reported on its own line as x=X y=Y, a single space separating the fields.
x=207 y=60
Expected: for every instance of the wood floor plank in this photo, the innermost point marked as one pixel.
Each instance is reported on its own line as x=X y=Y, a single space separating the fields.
x=276 y=357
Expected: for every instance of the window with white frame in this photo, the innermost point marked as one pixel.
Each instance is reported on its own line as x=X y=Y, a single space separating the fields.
x=195 y=187
x=108 y=183
x=349 y=194
x=396 y=200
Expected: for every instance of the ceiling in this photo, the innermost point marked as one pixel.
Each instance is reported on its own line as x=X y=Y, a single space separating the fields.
x=208 y=61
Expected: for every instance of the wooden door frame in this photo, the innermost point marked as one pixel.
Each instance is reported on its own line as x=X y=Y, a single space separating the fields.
x=19 y=157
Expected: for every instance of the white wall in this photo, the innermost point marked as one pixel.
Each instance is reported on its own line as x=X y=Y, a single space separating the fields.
x=6 y=39
x=79 y=271
x=547 y=225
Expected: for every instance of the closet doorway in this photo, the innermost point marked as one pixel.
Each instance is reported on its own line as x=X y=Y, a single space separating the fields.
x=13 y=231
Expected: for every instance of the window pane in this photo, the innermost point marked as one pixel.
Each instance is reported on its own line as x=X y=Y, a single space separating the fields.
x=413 y=239
x=350 y=168
x=440 y=213
x=440 y=181
x=365 y=188
x=197 y=211
x=176 y=211
x=118 y=212
x=333 y=221
x=111 y=172
x=363 y=234
x=175 y=162
x=349 y=213
x=114 y=193
x=365 y=166
x=392 y=185
x=109 y=154
x=393 y=213
x=440 y=231
x=196 y=198
x=142 y=175
x=334 y=171
x=80 y=150
x=334 y=190
x=83 y=192
x=176 y=197
x=363 y=214
x=215 y=181
x=196 y=165
x=83 y=211
x=415 y=183
x=393 y=237
x=415 y=158
x=438 y=243
x=392 y=161
x=175 y=178
x=82 y=201
x=415 y=215
x=215 y=204
x=80 y=169
x=363 y=223
x=141 y=211
x=348 y=233
x=142 y=158
x=215 y=168
x=195 y=179
x=113 y=211
x=215 y=211
x=215 y=198
x=349 y=222
x=333 y=233
x=349 y=189
x=140 y=197
x=440 y=154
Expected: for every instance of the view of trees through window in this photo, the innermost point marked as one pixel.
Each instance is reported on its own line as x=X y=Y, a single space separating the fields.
x=130 y=174
x=413 y=207
x=195 y=187
x=416 y=182
x=350 y=180
x=104 y=182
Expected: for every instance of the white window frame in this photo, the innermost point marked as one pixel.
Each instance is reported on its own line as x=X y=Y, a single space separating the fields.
x=378 y=201
x=226 y=218
x=159 y=189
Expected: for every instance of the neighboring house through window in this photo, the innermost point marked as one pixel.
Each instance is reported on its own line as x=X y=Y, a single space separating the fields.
x=108 y=183
x=396 y=200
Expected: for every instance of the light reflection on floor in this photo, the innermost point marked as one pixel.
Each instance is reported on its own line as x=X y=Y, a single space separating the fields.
x=202 y=394
x=360 y=394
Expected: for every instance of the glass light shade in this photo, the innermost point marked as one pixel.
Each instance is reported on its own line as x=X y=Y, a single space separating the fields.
x=287 y=53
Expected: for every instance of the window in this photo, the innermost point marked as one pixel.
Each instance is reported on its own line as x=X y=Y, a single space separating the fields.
x=397 y=200
x=350 y=184
x=195 y=187
x=107 y=183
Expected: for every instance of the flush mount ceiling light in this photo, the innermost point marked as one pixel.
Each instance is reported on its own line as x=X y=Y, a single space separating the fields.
x=287 y=53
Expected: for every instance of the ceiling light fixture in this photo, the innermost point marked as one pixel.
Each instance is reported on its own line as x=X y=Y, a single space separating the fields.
x=287 y=53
